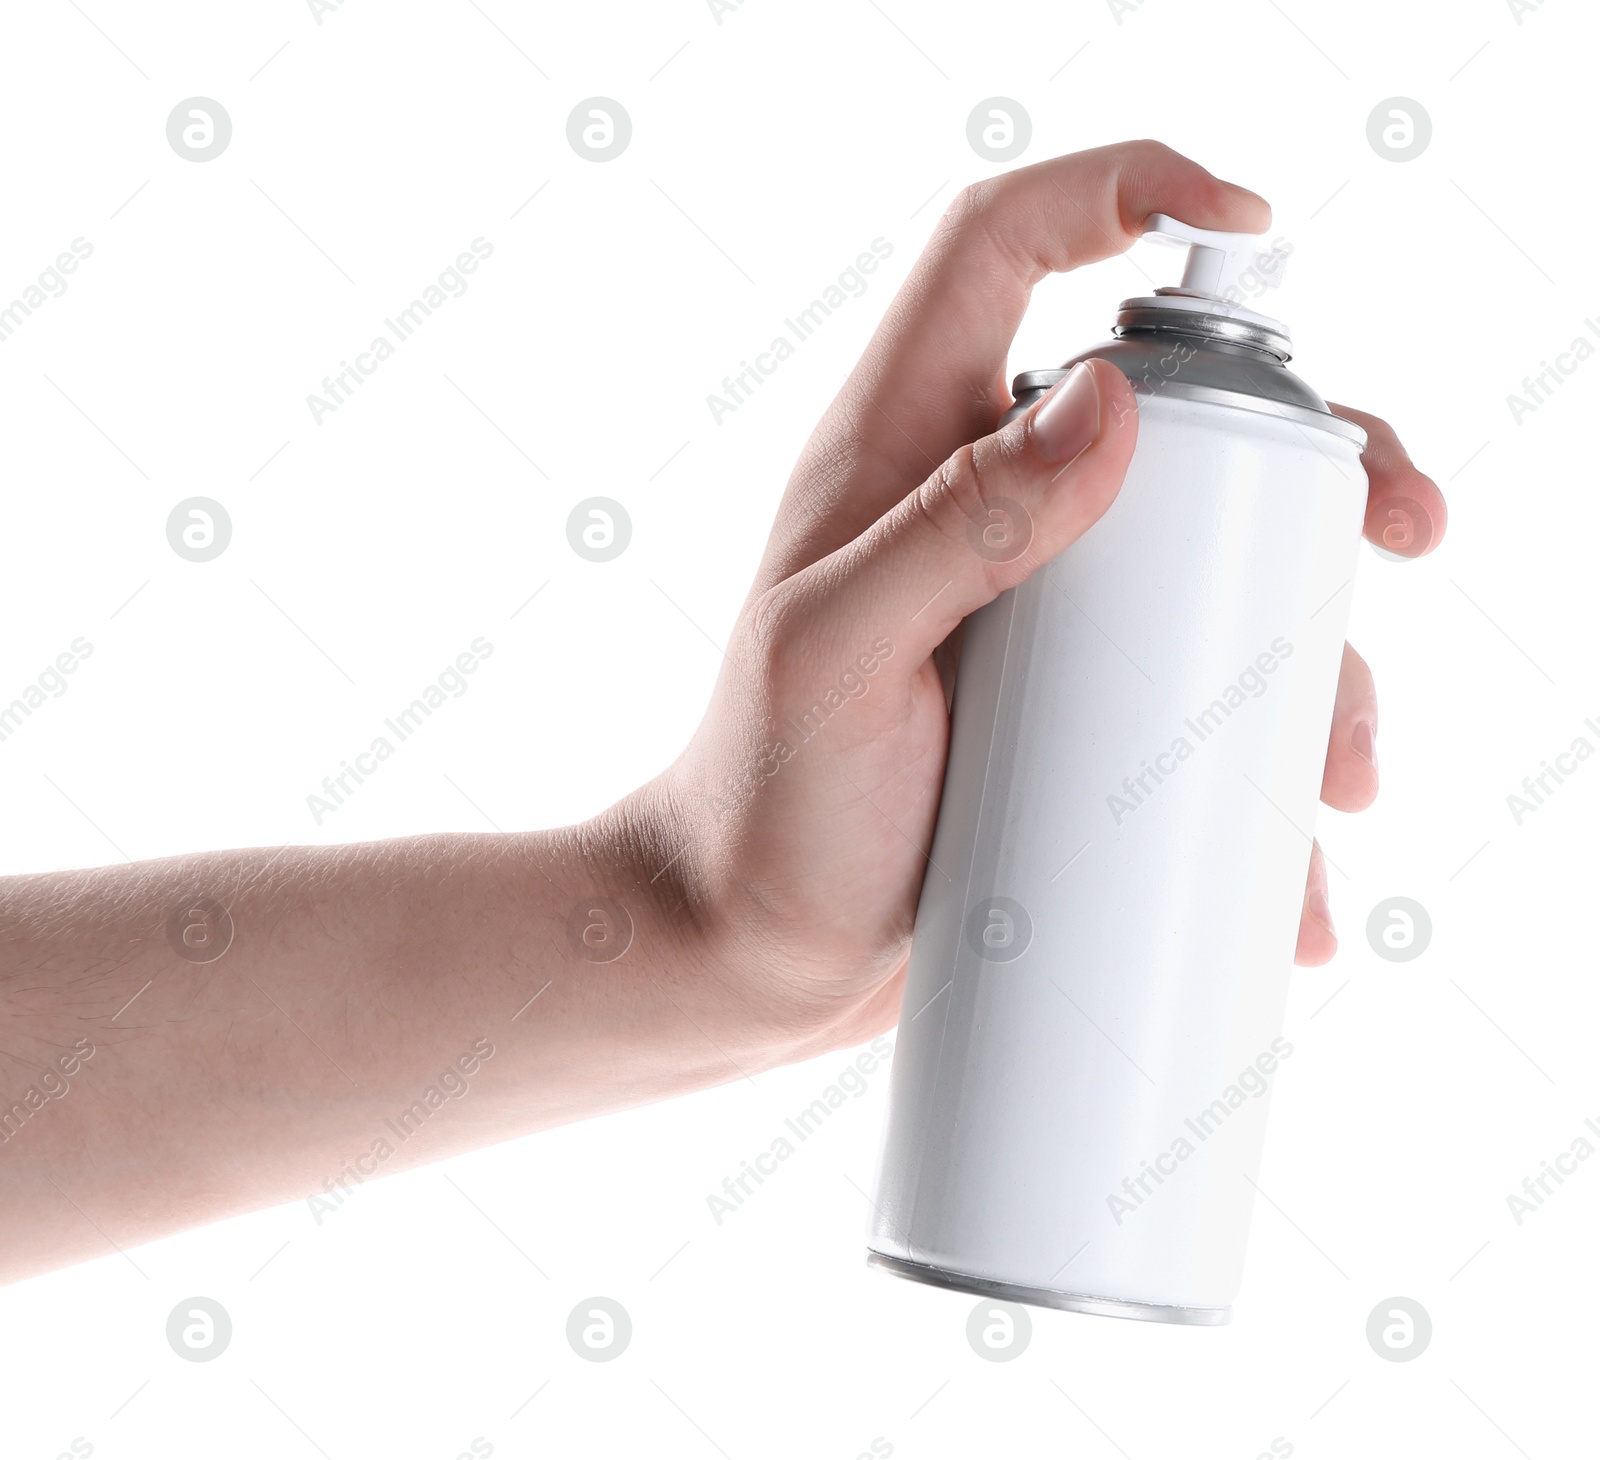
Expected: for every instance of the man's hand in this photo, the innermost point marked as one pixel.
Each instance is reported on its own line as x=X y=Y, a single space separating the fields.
x=809 y=867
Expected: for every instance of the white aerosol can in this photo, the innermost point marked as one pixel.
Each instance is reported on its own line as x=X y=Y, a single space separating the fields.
x=1094 y=1008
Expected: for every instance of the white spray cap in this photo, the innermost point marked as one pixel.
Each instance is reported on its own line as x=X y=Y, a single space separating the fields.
x=1218 y=262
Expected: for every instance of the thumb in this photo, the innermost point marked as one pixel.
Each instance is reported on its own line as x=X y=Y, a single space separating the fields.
x=987 y=518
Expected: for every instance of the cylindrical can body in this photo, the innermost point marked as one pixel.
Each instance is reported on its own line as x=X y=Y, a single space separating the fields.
x=1094 y=1006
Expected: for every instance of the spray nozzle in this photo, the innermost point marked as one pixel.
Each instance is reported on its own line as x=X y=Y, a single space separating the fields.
x=1226 y=266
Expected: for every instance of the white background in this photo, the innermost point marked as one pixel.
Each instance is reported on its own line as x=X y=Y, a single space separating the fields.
x=370 y=549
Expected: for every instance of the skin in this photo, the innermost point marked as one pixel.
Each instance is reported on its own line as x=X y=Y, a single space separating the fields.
x=768 y=905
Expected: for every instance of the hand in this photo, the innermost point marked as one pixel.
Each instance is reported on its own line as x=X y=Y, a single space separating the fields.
x=805 y=866
x=763 y=902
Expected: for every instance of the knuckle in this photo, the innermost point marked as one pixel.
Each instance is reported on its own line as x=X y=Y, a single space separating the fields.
x=962 y=504
x=954 y=493
x=774 y=622
x=974 y=211
x=973 y=201
x=1147 y=150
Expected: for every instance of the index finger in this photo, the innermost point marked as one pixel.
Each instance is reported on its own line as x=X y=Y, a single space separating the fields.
x=932 y=378
x=1406 y=514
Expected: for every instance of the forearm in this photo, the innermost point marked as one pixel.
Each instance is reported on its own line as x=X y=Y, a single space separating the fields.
x=378 y=1006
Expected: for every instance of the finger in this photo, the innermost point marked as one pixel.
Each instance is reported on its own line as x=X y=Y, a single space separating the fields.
x=980 y=524
x=932 y=377
x=1406 y=513
x=1350 y=776
x=1318 y=942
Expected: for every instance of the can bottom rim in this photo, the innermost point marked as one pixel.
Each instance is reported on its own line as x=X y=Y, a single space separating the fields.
x=939 y=1277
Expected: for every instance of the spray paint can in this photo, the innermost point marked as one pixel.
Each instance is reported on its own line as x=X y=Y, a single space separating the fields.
x=1094 y=1006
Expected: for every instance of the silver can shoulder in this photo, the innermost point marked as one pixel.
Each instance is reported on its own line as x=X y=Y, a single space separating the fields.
x=1178 y=364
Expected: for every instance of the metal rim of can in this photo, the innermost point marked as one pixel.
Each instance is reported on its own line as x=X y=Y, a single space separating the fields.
x=1149 y=314
x=943 y=1277
x=1040 y=380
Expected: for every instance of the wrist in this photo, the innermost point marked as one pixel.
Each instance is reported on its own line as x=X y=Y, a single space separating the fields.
x=790 y=988
x=696 y=935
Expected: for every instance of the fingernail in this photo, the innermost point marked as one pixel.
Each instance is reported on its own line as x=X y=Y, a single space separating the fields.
x=1068 y=419
x=1361 y=741
x=1317 y=905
